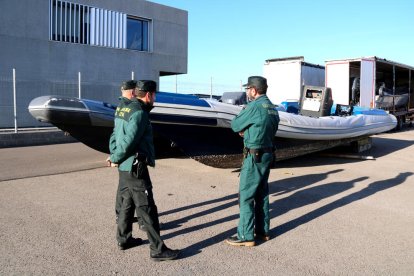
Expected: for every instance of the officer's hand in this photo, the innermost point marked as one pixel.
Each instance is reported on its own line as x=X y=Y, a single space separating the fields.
x=109 y=163
x=241 y=133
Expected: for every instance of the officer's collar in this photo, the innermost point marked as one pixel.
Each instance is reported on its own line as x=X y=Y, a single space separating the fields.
x=126 y=99
x=259 y=97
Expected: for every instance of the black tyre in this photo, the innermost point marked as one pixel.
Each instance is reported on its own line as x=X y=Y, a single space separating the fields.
x=400 y=122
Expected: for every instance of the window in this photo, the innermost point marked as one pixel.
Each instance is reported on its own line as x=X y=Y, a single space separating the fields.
x=78 y=23
x=137 y=34
x=69 y=22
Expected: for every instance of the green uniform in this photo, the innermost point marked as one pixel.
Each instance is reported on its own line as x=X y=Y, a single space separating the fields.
x=133 y=134
x=259 y=122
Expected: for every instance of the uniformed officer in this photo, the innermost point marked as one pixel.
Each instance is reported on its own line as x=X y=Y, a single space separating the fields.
x=257 y=124
x=132 y=149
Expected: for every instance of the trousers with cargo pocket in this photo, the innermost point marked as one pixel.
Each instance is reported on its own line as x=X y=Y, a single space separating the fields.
x=136 y=195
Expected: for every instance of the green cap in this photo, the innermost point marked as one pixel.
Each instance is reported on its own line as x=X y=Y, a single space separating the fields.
x=257 y=82
x=129 y=84
x=147 y=85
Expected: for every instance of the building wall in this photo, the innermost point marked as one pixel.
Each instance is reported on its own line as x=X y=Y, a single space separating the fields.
x=45 y=67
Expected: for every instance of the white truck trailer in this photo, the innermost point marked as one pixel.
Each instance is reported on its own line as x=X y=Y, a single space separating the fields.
x=373 y=82
x=287 y=76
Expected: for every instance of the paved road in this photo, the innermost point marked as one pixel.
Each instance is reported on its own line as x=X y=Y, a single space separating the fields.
x=330 y=216
x=27 y=162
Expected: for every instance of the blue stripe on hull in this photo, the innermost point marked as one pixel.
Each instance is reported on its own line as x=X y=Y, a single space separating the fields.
x=172 y=98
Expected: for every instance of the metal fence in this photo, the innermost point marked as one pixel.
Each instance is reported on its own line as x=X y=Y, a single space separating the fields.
x=182 y=84
x=18 y=90
x=16 y=93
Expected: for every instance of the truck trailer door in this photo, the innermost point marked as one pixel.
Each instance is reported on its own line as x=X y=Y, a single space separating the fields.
x=337 y=78
x=367 y=83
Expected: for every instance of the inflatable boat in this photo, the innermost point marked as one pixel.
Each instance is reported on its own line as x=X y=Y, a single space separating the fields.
x=200 y=127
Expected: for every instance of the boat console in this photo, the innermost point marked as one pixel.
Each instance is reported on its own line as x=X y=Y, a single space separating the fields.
x=316 y=101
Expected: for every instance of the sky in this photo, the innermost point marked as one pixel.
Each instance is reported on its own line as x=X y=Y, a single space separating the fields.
x=229 y=40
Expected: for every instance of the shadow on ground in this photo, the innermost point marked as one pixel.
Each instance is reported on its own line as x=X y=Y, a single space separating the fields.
x=304 y=196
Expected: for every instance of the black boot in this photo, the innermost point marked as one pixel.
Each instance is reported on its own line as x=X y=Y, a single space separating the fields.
x=165 y=255
x=130 y=243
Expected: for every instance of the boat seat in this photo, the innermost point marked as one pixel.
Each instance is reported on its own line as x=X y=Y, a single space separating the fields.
x=234 y=98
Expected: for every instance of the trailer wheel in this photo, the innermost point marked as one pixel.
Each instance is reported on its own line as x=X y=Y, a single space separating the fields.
x=403 y=120
x=400 y=122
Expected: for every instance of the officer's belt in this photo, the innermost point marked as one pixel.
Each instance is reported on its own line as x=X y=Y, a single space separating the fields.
x=259 y=151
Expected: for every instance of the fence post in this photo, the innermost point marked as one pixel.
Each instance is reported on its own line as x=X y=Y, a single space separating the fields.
x=14 y=100
x=79 y=84
x=211 y=87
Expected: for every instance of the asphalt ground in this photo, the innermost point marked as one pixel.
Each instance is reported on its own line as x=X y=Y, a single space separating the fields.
x=329 y=215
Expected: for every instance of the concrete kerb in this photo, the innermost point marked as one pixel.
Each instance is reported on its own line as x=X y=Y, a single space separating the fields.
x=33 y=137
